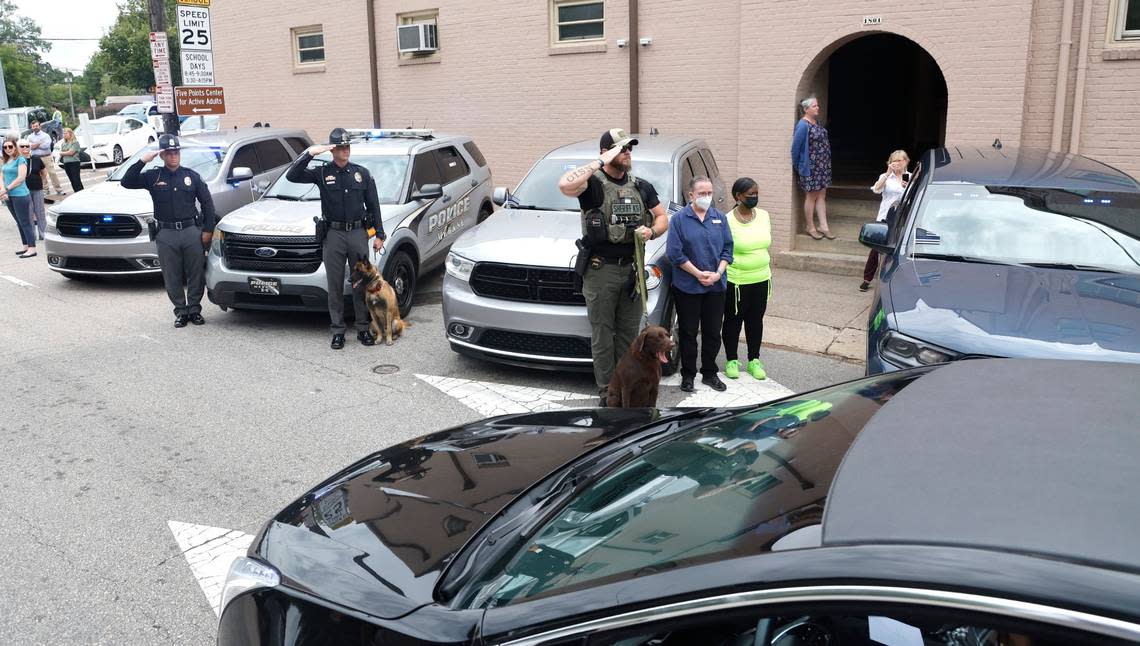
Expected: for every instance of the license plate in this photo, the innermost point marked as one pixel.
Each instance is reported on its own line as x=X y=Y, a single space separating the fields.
x=270 y=286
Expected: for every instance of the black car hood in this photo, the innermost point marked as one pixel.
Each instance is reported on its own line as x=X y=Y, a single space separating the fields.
x=1017 y=311
x=376 y=536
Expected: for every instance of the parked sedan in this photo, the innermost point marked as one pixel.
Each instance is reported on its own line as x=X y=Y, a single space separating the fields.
x=102 y=230
x=1007 y=253
x=115 y=138
x=510 y=292
x=935 y=506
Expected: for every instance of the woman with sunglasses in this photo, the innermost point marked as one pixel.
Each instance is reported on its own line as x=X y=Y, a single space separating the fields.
x=14 y=192
x=37 y=177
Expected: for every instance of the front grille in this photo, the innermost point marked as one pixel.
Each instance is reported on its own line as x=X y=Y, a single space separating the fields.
x=522 y=283
x=570 y=347
x=293 y=254
x=100 y=264
x=97 y=225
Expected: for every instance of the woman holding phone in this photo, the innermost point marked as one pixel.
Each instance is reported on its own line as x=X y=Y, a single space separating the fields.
x=890 y=185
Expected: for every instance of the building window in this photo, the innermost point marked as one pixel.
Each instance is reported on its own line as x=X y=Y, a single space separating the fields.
x=1128 y=20
x=575 y=21
x=308 y=45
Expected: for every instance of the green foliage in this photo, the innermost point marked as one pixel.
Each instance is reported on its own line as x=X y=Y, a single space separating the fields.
x=20 y=77
x=21 y=31
x=125 y=50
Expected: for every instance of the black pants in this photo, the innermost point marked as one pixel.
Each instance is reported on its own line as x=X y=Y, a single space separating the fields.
x=747 y=312
x=183 y=262
x=72 y=171
x=704 y=311
x=872 y=266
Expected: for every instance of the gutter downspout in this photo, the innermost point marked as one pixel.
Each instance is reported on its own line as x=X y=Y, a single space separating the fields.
x=374 y=74
x=634 y=71
x=1082 y=69
x=1062 y=76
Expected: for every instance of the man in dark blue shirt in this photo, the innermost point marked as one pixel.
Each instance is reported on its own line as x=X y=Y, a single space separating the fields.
x=351 y=211
x=180 y=233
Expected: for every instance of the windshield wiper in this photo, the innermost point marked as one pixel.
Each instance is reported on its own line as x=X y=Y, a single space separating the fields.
x=290 y=198
x=953 y=257
x=1069 y=265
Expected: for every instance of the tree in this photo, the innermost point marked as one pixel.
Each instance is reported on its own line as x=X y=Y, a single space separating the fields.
x=125 y=49
x=21 y=31
x=20 y=77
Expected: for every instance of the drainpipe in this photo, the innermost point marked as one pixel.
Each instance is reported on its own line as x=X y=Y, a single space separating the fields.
x=634 y=72
x=1062 y=76
x=1082 y=69
x=372 y=68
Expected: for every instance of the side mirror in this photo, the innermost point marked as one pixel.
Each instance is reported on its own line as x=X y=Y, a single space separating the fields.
x=428 y=192
x=500 y=195
x=241 y=174
x=876 y=235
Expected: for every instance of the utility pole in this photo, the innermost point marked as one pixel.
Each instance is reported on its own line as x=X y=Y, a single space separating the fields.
x=70 y=97
x=158 y=24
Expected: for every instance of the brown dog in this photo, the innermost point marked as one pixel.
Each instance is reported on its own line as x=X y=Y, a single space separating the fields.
x=637 y=377
x=380 y=299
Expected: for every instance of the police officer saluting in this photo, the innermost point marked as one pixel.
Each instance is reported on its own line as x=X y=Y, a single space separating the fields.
x=180 y=233
x=351 y=212
x=616 y=206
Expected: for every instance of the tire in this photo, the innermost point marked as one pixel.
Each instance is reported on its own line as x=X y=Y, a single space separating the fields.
x=150 y=140
x=484 y=213
x=669 y=322
x=118 y=155
x=401 y=273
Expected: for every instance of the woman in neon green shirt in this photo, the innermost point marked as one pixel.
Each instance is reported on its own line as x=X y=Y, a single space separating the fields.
x=749 y=279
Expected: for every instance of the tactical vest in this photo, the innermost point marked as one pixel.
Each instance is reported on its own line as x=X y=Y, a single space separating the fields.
x=622 y=209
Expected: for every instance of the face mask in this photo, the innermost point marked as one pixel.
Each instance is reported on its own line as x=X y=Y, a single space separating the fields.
x=703 y=203
x=751 y=202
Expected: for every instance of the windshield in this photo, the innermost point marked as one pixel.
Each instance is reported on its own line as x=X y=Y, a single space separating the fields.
x=540 y=187
x=1030 y=226
x=387 y=170
x=98 y=128
x=205 y=161
x=750 y=483
x=203 y=123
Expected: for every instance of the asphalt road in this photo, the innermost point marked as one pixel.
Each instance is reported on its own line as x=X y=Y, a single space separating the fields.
x=115 y=423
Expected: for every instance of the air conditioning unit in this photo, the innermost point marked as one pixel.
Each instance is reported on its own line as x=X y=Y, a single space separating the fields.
x=418 y=38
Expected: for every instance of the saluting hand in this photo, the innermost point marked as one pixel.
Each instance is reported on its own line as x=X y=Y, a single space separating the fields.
x=317 y=149
x=610 y=154
x=148 y=156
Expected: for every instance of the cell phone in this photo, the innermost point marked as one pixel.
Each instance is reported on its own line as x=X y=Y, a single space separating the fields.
x=906 y=176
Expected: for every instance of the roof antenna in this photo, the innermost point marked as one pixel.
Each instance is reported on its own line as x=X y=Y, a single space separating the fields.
x=997 y=144
x=654 y=132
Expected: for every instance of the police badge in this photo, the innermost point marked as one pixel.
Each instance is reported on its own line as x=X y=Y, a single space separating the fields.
x=186 y=180
x=358 y=177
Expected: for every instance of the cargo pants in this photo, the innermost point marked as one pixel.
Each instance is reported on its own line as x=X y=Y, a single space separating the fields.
x=615 y=318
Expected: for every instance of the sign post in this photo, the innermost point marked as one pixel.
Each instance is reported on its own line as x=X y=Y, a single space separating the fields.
x=197 y=43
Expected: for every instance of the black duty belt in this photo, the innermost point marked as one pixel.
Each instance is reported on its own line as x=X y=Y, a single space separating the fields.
x=176 y=224
x=624 y=260
x=346 y=226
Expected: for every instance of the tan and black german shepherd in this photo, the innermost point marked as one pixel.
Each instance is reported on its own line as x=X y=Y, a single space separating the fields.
x=380 y=299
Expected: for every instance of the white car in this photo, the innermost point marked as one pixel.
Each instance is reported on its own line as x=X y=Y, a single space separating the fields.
x=115 y=138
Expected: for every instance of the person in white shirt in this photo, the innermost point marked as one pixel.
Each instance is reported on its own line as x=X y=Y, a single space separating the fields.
x=890 y=185
x=41 y=147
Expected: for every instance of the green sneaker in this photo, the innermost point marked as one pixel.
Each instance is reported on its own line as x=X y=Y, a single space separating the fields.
x=732 y=369
x=756 y=369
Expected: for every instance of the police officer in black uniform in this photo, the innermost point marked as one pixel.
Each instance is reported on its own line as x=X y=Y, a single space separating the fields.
x=351 y=211
x=181 y=234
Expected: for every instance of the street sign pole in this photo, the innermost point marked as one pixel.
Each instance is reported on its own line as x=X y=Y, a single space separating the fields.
x=157 y=10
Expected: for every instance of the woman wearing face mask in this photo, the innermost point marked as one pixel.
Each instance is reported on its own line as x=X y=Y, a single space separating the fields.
x=749 y=279
x=700 y=248
x=14 y=191
x=891 y=186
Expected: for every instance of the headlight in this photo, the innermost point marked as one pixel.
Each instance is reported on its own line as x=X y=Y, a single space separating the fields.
x=52 y=216
x=459 y=267
x=145 y=218
x=908 y=352
x=247 y=574
x=652 y=277
x=216 y=243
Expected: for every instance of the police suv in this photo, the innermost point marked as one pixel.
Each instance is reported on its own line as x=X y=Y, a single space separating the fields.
x=432 y=187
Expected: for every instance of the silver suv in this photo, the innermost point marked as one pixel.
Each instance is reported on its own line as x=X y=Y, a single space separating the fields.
x=432 y=188
x=102 y=230
x=510 y=295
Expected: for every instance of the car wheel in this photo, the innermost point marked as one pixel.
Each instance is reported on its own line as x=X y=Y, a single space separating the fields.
x=118 y=155
x=669 y=322
x=402 y=276
x=484 y=213
x=150 y=140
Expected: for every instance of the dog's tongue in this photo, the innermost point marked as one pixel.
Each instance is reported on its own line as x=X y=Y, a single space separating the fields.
x=661 y=356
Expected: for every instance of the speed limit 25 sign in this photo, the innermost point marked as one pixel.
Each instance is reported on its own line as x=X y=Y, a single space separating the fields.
x=194 y=27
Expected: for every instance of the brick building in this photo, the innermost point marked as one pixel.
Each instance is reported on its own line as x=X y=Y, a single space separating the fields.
x=523 y=77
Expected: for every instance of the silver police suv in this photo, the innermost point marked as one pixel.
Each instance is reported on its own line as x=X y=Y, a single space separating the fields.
x=510 y=294
x=432 y=188
x=102 y=230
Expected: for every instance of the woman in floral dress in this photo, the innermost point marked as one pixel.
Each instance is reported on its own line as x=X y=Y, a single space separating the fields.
x=811 y=157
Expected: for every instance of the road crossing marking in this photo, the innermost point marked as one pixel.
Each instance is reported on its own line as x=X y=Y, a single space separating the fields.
x=209 y=552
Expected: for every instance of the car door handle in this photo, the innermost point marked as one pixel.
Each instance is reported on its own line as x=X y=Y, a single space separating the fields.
x=446 y=199
x=474 y=182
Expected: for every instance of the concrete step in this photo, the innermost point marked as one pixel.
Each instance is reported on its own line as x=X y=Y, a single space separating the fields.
x=852 y=192
x=842 y=244
x=839 y=264
x=843 y=226
x=865 y=210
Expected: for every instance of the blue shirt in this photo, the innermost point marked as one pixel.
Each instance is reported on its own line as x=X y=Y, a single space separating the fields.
x=704 y=244
x=11 y=172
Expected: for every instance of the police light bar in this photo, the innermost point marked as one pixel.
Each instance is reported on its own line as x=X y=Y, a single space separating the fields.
x=365 y=134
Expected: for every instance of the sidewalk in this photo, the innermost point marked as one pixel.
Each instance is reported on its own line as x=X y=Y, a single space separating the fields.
x=817 y=313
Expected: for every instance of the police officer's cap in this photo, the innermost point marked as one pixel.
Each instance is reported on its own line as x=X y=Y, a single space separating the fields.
x=339 y=137
x=616 y=137
x=168 y=142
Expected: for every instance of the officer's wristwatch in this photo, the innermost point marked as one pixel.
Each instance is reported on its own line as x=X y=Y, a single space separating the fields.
x=601 y=164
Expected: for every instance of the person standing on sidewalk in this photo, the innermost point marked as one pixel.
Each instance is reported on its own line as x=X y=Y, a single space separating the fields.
x=699 y=248
x=35 y=182
x=811 y=158
x=891 y=186
x=350 y=207
x=14 y=192
x=69 y=159
x=180 y=233
x=749 y=279
x=616 y=207
x=41 y=147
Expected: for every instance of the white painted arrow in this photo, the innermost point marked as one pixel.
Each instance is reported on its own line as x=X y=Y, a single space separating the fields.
x=489 y=399
x=210 y=551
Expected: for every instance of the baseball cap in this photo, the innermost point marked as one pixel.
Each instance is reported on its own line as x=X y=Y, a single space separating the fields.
x=168 y=142
x=615 y=137
x=339 y=137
